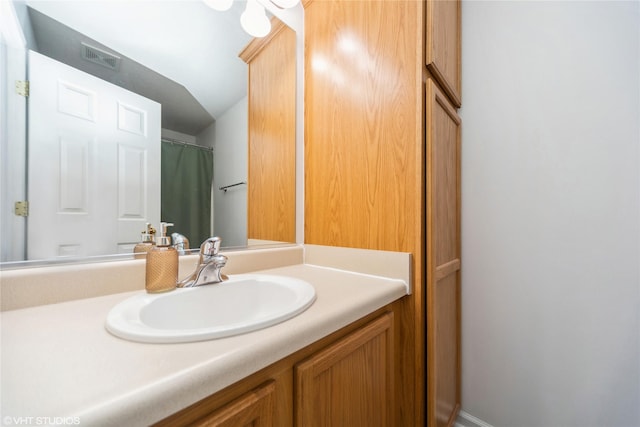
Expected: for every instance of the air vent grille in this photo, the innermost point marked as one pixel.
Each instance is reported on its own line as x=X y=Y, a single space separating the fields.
x=101 y=57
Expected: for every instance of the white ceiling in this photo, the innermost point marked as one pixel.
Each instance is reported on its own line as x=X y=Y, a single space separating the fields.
x=183 y=40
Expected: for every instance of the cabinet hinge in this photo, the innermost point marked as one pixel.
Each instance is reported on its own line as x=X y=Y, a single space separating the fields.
x=21 y=208
x=22 y=87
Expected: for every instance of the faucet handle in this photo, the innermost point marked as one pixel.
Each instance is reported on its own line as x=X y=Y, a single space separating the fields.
x=210 y=247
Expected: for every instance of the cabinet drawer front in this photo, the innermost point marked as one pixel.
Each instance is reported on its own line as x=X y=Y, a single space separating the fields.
x=254 y=408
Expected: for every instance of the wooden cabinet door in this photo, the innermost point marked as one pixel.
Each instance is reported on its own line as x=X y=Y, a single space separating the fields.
x=350 y=383
x=363 y=124
x=255 y=409
x=443 y=45
x=443 y=258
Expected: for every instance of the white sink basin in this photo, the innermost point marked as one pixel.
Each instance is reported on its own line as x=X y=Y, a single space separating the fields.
x=243 y=303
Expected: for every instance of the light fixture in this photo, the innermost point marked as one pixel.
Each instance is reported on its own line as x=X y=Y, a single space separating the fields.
x=220 y=5
x=285 y=4
x=254 y=19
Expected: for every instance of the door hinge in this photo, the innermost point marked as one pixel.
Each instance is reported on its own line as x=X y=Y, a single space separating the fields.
x=22 y=87
x=21 y=208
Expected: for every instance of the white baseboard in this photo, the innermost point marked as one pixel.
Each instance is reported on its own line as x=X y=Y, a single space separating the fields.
x=468 y=420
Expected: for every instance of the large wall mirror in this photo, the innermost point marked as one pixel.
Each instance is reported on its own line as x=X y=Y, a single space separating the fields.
x=140 y=112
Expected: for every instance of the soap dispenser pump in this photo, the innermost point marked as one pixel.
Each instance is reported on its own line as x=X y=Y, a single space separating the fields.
x=161 y=273
x=146 y=243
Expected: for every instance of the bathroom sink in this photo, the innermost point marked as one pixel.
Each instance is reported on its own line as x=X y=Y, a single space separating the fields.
x=244 y=303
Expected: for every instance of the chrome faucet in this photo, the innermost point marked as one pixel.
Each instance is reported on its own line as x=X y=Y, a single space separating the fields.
x=209 y=267
x=180 y=242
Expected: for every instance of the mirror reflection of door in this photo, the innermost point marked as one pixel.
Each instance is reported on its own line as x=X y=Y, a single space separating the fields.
x=94 y=163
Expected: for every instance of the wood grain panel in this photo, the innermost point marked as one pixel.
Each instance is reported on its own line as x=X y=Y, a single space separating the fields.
x=256 y=45
x=446 y=269
x=443 y=46
x=350 y=383
x=443 y=260
x=254 y=409
x=363 y=124
x=446 y=350
x=446 y=176
x=281 y=373
x=272 y=109
x=364 y=152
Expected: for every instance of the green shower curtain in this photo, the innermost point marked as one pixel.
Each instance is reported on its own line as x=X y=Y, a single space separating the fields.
x=186 y=178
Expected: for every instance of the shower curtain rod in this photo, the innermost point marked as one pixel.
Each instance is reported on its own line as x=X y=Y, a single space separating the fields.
x=176 y=141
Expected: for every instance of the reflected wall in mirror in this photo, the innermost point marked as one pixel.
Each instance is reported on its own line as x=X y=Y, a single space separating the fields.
x=176 y=77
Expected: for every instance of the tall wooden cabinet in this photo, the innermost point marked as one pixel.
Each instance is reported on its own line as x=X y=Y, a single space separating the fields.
x=382 y=152
x=442 y=46
x=272 y=135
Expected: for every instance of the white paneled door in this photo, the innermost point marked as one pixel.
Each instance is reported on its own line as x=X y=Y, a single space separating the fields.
x=93 y=163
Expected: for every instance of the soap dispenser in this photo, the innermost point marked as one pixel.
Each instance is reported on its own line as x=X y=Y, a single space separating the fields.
x=162 y=264
x=147 y=242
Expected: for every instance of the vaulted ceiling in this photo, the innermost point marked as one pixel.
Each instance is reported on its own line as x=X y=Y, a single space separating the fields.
x=181 y=54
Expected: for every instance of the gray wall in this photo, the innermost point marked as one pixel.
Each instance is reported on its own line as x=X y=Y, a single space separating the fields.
x=229 y=167
x=551 y=213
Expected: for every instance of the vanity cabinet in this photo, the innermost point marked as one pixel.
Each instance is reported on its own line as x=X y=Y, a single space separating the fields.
x=349 y=383
x=345 y=379
x=382 y=81
x=254 y=408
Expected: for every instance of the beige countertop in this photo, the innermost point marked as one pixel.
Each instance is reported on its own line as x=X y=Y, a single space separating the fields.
x=58 y=360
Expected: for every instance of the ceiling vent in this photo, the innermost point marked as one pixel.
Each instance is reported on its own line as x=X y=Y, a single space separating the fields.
x=101 y=57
